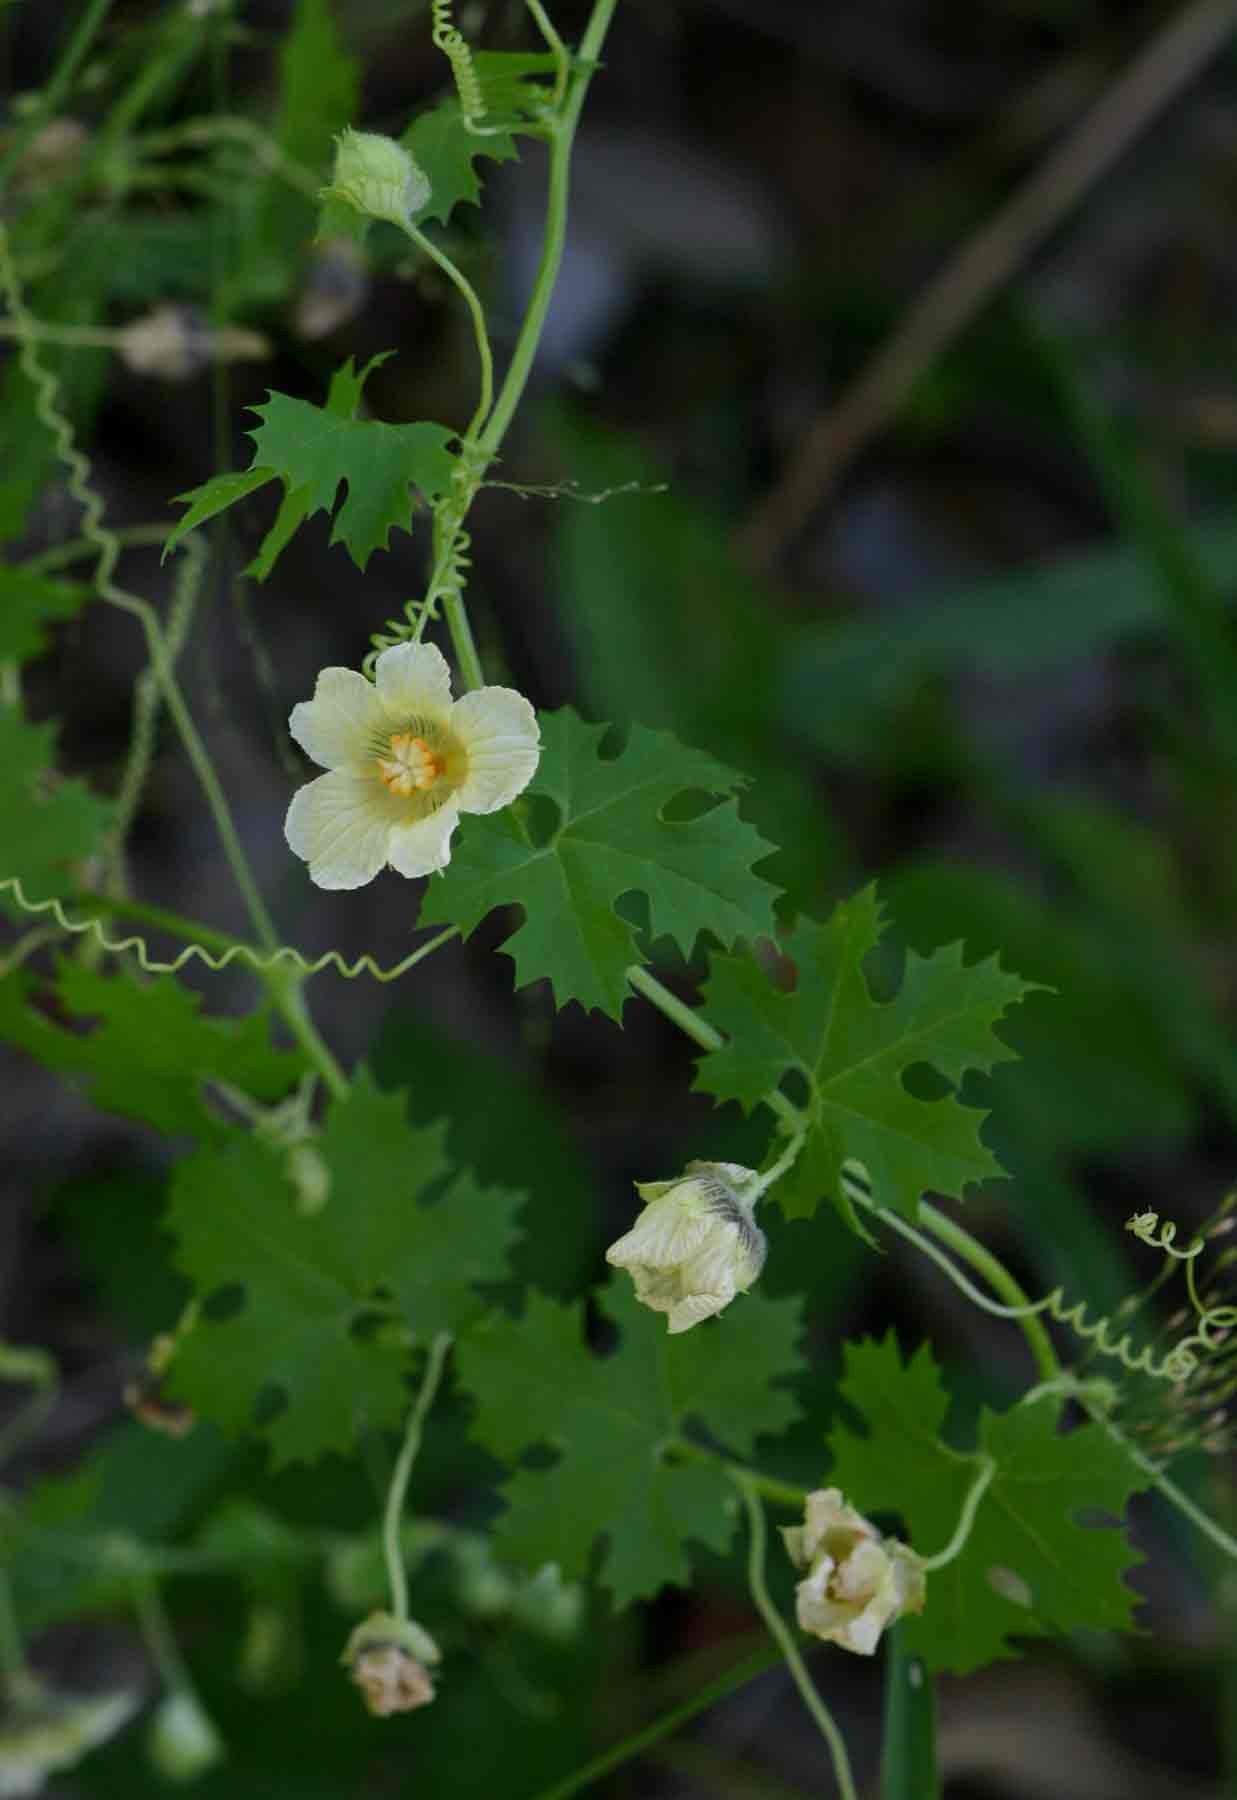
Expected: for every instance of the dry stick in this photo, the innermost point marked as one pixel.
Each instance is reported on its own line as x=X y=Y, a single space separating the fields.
x=950 y=301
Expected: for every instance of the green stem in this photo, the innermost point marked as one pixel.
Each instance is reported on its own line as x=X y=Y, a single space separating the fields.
x=781 y=1633
x=1171 y=1492
x=287 y=995
x=966 y=1519
x=561 y=142
x=59 y=85
x=396 y=1574
x=469 y=294
x=784 y=1493
x=908 y=1733
x=157 y=1633
x=14 y=1670
x=677 y=1011
x=556 y=46
x=78 y=549
x=669 y=1722
x=999 y=1279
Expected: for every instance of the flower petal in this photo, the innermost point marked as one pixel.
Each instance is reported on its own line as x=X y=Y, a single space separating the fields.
x=337 y=725
x=413 y=682
x=340 y=824
x=423 y=846
x=693 y=1308
x=664 y=1236
x=498 y=729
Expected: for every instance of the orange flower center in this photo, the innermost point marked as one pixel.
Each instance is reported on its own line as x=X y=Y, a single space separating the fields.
x=412 y=766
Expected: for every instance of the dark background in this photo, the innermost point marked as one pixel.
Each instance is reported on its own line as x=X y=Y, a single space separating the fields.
x=986 y=663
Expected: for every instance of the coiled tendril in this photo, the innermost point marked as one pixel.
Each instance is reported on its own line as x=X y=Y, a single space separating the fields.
x=455 y=47
x=263 y=962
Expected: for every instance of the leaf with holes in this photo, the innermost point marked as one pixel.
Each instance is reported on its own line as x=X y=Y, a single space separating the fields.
x=612 y=839
x=854 y=1055
x=1029 y=1568
x=535 y=1380
x=303 y=1330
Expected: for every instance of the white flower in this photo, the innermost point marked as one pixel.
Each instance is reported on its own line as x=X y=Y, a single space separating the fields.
x=377 y=176
x=405 y=761
x=858 y=1581
x=182 y=1741
x=695 y=1245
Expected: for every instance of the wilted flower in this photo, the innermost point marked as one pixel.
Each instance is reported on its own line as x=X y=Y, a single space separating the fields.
x=858 y=1581
x=174 y=343
x=405 y=761
x=42 y=1731
x=182 y=1741
x=377 y=176
x=695 y=1245
x=386 y=1657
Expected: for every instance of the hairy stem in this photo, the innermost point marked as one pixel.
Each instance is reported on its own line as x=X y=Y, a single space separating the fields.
x=784 y=1638
x=396 y=1574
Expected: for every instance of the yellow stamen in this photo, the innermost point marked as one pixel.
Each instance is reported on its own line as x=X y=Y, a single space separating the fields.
x=412 y=766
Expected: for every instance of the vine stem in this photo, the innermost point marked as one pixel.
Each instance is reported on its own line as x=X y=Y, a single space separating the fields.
x=781 y=1633
x=396 y=1574
x=562 y=138
x=966 y=1518
x=14 y=1670
x=640 y=1741
x=51 y=96
x=784 y=1493
x=469 y=295
x=157 y=1633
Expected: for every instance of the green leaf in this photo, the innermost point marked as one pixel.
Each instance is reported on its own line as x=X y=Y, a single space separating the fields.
x=535 y=1380
x=612 y=838
x=305 y=1336
x=445 y=149
x=1029 y=1568
x=855 y=1054
x=214 y=496
x=319 y=85
x=149 y=1051
x=342 y=400
x=48 y=825
x=315 y=450
x=513 y=81
x=28 y=603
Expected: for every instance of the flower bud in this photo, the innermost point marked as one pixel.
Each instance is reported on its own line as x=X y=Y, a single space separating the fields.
x=377 y=176
x=386 y=1658
x=695 y=1245
x=182 y=1742
x=858 y=1581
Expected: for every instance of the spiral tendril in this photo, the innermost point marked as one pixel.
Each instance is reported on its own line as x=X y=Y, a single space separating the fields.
x=455 y=47
x=263 y=962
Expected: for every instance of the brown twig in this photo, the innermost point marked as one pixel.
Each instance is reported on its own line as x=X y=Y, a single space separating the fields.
x=953 y=298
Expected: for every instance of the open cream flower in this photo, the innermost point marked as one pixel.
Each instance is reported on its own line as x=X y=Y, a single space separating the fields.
x=858 y=1581
x=405 y=761
x=695 y=1245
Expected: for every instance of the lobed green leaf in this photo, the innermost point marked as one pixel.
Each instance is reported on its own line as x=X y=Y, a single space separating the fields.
x=612 y=839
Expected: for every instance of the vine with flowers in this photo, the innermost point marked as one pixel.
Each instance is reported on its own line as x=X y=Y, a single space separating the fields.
x=350 y=1280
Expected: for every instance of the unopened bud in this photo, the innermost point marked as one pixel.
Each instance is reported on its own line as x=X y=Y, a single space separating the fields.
x=182 y=1742
x=377 y=176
